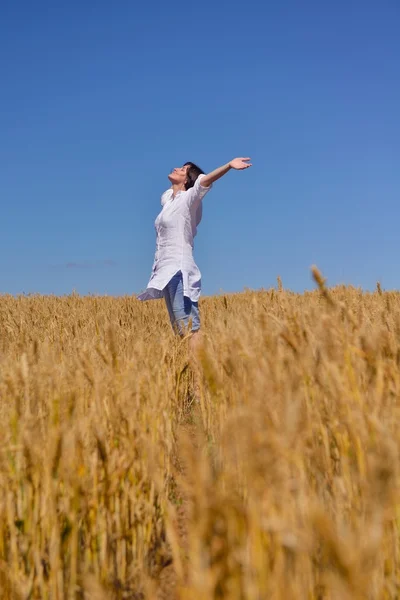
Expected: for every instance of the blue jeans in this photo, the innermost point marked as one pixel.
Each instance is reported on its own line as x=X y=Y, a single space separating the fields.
x=183 y=313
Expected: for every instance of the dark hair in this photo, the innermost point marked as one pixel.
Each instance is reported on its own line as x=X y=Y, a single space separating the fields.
x=192 y=174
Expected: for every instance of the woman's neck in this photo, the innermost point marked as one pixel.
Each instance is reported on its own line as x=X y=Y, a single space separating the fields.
x=178 y=187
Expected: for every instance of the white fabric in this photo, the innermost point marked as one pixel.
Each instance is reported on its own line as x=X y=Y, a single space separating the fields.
x=176 y=227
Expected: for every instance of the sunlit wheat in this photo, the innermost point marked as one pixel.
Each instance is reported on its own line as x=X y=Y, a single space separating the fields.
x=278 y=478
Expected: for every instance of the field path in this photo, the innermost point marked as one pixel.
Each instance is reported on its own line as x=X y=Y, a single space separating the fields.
x=190 y=430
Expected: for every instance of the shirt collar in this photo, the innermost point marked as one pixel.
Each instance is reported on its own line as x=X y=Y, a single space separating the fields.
x=169 y=195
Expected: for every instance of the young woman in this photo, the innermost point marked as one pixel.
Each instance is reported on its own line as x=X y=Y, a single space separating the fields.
x=175 y=276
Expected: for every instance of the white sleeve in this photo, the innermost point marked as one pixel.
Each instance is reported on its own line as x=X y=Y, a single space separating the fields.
x=197 y=192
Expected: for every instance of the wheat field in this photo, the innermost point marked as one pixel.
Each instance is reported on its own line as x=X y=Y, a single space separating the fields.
x=274 y=476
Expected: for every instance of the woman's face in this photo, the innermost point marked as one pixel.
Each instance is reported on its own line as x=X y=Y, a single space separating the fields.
x=178 y=175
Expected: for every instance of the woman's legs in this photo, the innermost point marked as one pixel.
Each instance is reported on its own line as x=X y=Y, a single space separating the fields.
x=183 y=313
x=185 y=318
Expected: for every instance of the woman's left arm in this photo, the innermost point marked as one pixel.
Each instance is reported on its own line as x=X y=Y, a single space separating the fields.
x=239 y=164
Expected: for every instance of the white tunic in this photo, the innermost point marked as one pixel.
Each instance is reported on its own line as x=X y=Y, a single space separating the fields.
x=176 y=227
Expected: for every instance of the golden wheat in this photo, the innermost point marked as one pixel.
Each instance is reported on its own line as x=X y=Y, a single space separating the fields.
x=278 y=478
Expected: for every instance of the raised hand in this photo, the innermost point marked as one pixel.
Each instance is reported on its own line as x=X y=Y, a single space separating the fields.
x=240 y=163
x=237 y=163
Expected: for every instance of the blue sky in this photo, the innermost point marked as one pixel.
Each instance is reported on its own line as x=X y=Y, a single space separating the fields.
x=100 y=100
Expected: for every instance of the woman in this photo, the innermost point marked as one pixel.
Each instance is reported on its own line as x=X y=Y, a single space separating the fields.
x=175 y=276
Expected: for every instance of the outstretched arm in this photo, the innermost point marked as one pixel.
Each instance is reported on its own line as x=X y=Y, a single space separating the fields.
x=238 y=164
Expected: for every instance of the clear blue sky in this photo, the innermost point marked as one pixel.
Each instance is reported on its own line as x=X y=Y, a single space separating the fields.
x=100 y=99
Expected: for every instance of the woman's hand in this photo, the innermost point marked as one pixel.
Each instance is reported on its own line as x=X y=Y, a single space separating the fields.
x=240 y=163
x=237 y=163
